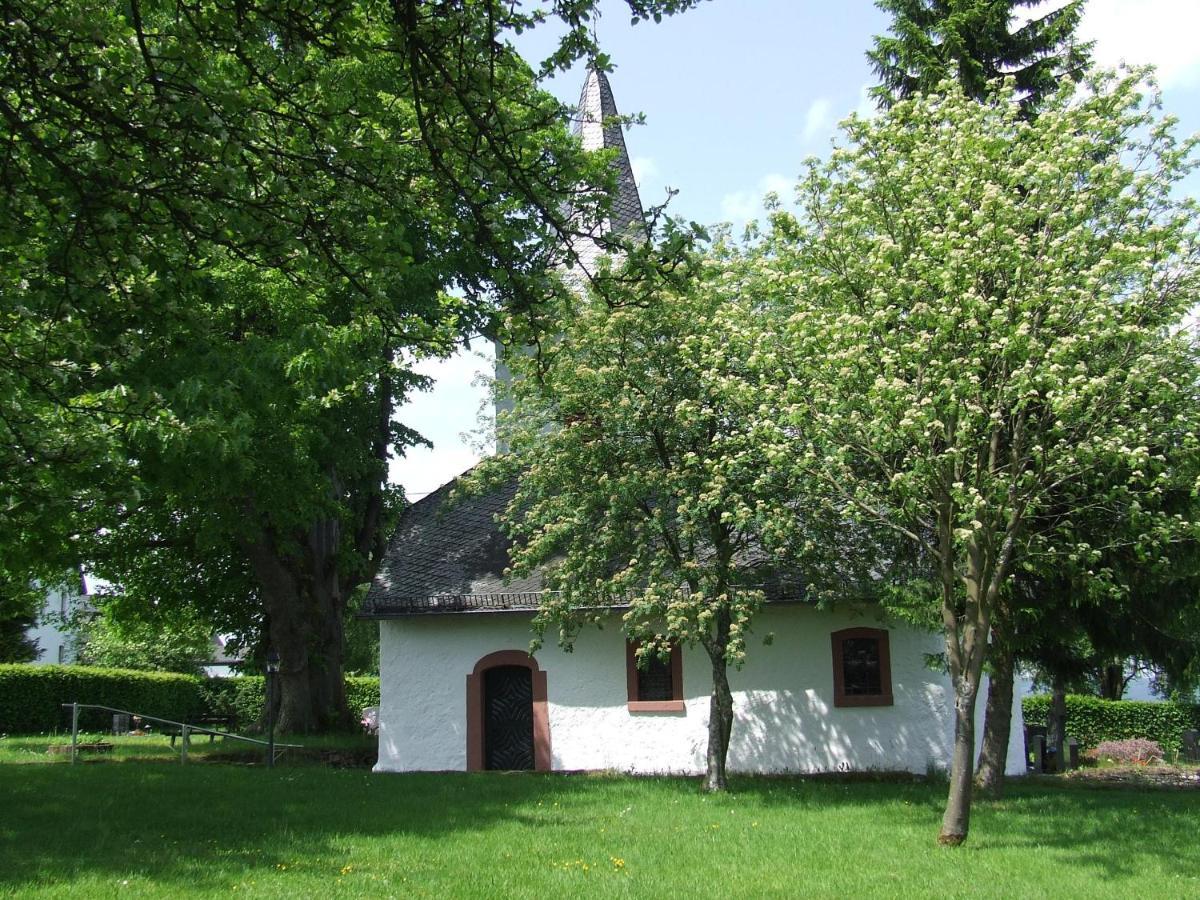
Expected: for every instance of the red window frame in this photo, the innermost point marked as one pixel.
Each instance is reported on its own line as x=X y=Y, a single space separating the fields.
x=884 y=697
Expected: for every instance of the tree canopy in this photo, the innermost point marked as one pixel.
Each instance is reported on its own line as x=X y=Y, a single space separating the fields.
x=638 y=484
x=227 y=231
x=983 y=313
x=975 y=43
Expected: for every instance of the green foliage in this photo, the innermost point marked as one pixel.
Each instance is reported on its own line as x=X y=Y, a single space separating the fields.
x=182 y=645
x=361 y=691
x=229 y=232
x=621 y=481
x=981 y=342
x=31 y=697
x=973 y=42
x=1091 y=720
x=244 y=695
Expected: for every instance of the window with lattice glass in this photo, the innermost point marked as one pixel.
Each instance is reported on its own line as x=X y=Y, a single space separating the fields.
x=861 y=667
x=654 y=679
x=655 y=683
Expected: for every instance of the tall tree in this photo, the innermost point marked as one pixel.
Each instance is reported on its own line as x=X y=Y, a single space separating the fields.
x=974 y=42
x=960 y=376
x=226 y=229
x=641 y=483
x=20 y=602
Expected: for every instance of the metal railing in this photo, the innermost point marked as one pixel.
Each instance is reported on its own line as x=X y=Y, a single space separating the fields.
x=274 y=749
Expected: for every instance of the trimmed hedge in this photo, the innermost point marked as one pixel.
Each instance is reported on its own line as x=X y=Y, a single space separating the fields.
x=31 y=697
x=244 y=696
x=1092 y=720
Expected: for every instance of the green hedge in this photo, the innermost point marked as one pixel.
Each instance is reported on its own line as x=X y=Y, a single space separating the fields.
x=241 y=697
x=244 y=696
x=31 y=697
x=1092 y=720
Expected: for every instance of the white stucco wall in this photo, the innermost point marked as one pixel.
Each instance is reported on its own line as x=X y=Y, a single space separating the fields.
x=785 y=720
x=55 y=643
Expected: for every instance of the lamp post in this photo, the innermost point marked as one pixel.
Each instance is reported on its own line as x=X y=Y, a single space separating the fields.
x=272 y=672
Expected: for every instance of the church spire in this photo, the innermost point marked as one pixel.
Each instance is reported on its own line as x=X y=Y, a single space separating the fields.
x=595 y=125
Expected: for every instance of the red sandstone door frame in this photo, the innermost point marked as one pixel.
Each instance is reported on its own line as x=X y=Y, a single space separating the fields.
x=541 y=716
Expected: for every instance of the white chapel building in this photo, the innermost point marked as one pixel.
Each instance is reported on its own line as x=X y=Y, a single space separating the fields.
x=846 y=689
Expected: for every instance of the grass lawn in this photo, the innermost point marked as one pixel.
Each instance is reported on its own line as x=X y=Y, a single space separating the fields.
x=147 y=828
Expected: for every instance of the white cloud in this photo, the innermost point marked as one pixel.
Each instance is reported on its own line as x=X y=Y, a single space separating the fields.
x=778 y=184
x=1161 y=32
x=440 y=415
x=739 y=207
x=866 y=108
x=818 y=120
x=644 y=167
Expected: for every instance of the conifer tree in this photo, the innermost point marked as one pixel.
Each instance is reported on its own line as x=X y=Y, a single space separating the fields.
x=974 y=42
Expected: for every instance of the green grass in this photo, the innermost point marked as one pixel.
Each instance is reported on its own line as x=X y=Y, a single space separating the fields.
x=160 y=829
x=34 y=749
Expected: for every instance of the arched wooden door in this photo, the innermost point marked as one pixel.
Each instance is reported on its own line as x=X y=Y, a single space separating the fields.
x=507 y=720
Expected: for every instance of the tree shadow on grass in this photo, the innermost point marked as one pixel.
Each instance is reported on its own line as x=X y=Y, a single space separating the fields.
x=1118 y=831
x=196 y=828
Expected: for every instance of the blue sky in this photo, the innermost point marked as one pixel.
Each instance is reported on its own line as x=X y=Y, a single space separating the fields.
x=736 y=93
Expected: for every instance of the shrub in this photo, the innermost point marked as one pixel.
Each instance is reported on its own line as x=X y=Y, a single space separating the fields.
x=241 y=697
x=1093 y=721
x=31 y=697
x=245 y=695
x=1137 y=751
x=361 y=691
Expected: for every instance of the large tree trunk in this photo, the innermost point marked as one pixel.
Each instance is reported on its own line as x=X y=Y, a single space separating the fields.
x=997 y=722
x=1056 y=723
x=720 y=722
x=288 y=635
x=327 y=608
x=1112 y=681
x=304 y=612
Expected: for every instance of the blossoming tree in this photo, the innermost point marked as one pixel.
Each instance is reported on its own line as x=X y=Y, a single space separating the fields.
x=982 y=313
x=641 y=484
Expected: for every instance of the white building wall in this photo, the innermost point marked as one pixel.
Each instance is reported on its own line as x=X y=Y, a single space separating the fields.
x=785 y=720
x=54 y=641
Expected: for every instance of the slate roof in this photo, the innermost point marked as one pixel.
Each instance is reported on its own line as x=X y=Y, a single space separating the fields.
x=449 y=556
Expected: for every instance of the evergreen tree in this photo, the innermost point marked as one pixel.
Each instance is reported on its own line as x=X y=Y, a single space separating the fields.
x=973 y=41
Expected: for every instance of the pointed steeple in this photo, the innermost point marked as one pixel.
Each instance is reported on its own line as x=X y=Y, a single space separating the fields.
x=594 y=123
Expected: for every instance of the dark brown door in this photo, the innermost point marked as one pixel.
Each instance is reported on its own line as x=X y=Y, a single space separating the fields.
x=508 y=718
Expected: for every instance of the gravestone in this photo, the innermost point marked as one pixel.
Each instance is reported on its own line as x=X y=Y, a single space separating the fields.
x=1037 y=748
x=1072 y=755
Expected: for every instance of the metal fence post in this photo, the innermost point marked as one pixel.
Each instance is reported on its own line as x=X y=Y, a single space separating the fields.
x=74 y=731
x=183 y=744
